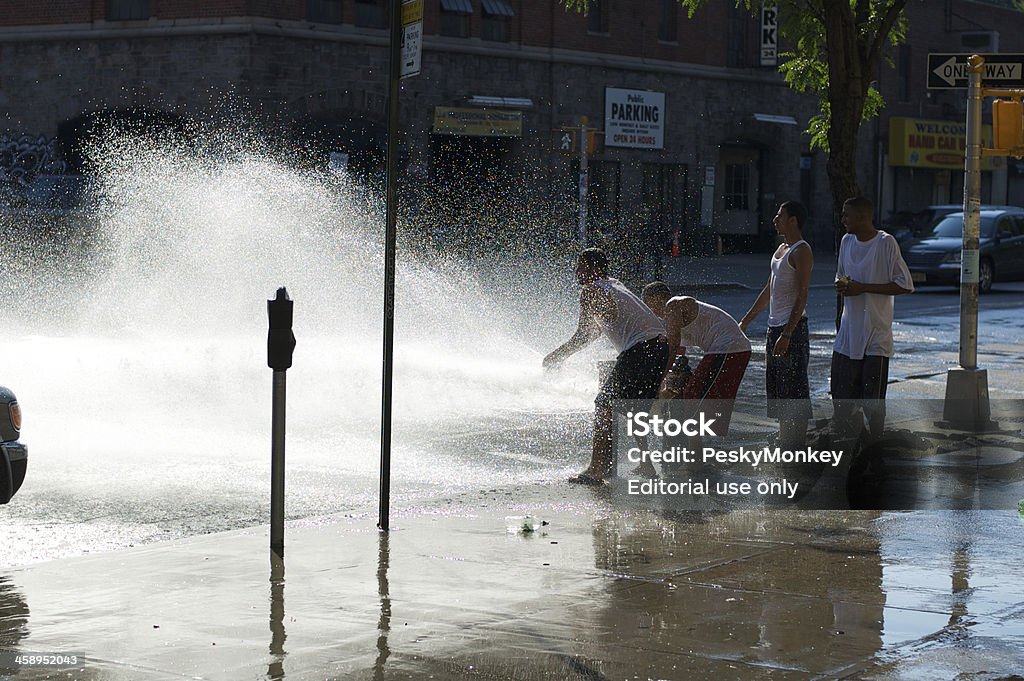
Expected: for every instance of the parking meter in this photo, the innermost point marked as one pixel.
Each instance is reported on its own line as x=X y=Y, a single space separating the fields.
x=280 y=339
x=280 y=344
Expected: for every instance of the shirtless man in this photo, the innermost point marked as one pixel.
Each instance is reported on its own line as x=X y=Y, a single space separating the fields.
x=608 y=307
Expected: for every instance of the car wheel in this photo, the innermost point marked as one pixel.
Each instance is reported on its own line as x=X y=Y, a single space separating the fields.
x=986 y=273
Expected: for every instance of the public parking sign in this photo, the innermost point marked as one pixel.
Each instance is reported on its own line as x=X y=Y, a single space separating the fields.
x=949 y=71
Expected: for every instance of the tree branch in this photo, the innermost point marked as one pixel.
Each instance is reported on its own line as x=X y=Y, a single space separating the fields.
x=861 y=12
x=888 y=21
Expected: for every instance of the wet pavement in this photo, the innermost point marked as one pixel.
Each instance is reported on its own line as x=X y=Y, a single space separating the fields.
x=595 y=591
x=536 y=579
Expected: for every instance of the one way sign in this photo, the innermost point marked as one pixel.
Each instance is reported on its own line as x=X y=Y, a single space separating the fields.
x=949 y=71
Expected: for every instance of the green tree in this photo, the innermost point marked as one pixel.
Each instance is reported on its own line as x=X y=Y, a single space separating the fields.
x=834 y=51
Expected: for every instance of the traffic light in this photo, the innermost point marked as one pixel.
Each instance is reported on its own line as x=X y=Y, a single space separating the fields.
x=1008 y=126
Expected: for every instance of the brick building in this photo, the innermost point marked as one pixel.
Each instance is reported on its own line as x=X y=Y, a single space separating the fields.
x=484 y=120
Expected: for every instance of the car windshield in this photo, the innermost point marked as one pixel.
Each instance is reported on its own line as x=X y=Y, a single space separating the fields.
x=953 y=226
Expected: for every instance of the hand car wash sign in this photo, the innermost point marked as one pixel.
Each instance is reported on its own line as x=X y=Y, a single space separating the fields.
x=634 y=118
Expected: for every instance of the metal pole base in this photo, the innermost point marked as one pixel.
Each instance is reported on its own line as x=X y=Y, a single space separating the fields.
x=966 y=406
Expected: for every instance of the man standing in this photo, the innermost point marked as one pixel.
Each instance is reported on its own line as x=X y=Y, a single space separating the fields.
x=870 y=272
x=606 y=306
x=787 y=345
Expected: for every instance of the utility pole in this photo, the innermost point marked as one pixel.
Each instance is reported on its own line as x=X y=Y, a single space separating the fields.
x=404 y=54
x=966 y=404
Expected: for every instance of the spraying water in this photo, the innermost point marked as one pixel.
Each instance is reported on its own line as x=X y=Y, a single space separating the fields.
x=136 y=343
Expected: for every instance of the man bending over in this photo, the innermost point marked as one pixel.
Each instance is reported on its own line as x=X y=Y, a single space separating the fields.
x=608 y=307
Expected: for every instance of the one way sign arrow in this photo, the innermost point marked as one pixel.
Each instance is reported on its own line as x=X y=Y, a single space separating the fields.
x=949 y=71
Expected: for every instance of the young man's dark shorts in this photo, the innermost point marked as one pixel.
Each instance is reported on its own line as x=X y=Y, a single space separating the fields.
x=859 y=379
x=785 y=377
x=636 y=374
x=864 y=380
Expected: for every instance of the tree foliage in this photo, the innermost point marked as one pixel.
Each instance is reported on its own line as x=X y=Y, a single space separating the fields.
x=806 y=65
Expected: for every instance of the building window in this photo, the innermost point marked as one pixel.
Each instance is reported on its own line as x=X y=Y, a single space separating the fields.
x=496 y=17
x=739 y=44
x=455 y=16
x=370 y=14
x=597 y=16
x=735 y=195
x=323 y=11
x=668 y=24
x=127 y=10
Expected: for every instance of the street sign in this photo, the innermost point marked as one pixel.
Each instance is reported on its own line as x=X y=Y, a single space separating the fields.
x=412 y=37
x=949 y=71
x=769 y=35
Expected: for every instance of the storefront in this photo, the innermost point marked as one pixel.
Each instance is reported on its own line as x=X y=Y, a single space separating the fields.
x=472 y=161
x=925 y=165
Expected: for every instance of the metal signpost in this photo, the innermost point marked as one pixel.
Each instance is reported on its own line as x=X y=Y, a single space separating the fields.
x=582 y=142
x=966 y=402
x=403 y=61
x=967 y=405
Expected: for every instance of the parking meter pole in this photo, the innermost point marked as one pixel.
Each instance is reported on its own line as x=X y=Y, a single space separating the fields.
x=390 y=237
x=966 y=406
x=280 y=345
x=277 y=466
x=972 y=220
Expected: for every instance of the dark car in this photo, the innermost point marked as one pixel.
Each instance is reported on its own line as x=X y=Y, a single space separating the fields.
x=13 y=454
x=935 y=259
x=907 y=224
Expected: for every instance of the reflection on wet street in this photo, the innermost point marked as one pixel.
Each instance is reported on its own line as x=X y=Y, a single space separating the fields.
x=591 y=590
x=278 y=635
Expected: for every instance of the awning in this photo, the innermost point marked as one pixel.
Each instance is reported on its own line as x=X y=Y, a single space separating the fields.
x=497 y=8
x=505 y=102
x=774 y=118
x=457 y=6
x=477 y=122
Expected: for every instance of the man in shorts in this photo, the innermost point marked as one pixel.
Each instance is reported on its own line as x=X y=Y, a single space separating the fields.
x=870 y=272
x=716 y=379
x=692 y=323
x=608 y=307
x=787 y=345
